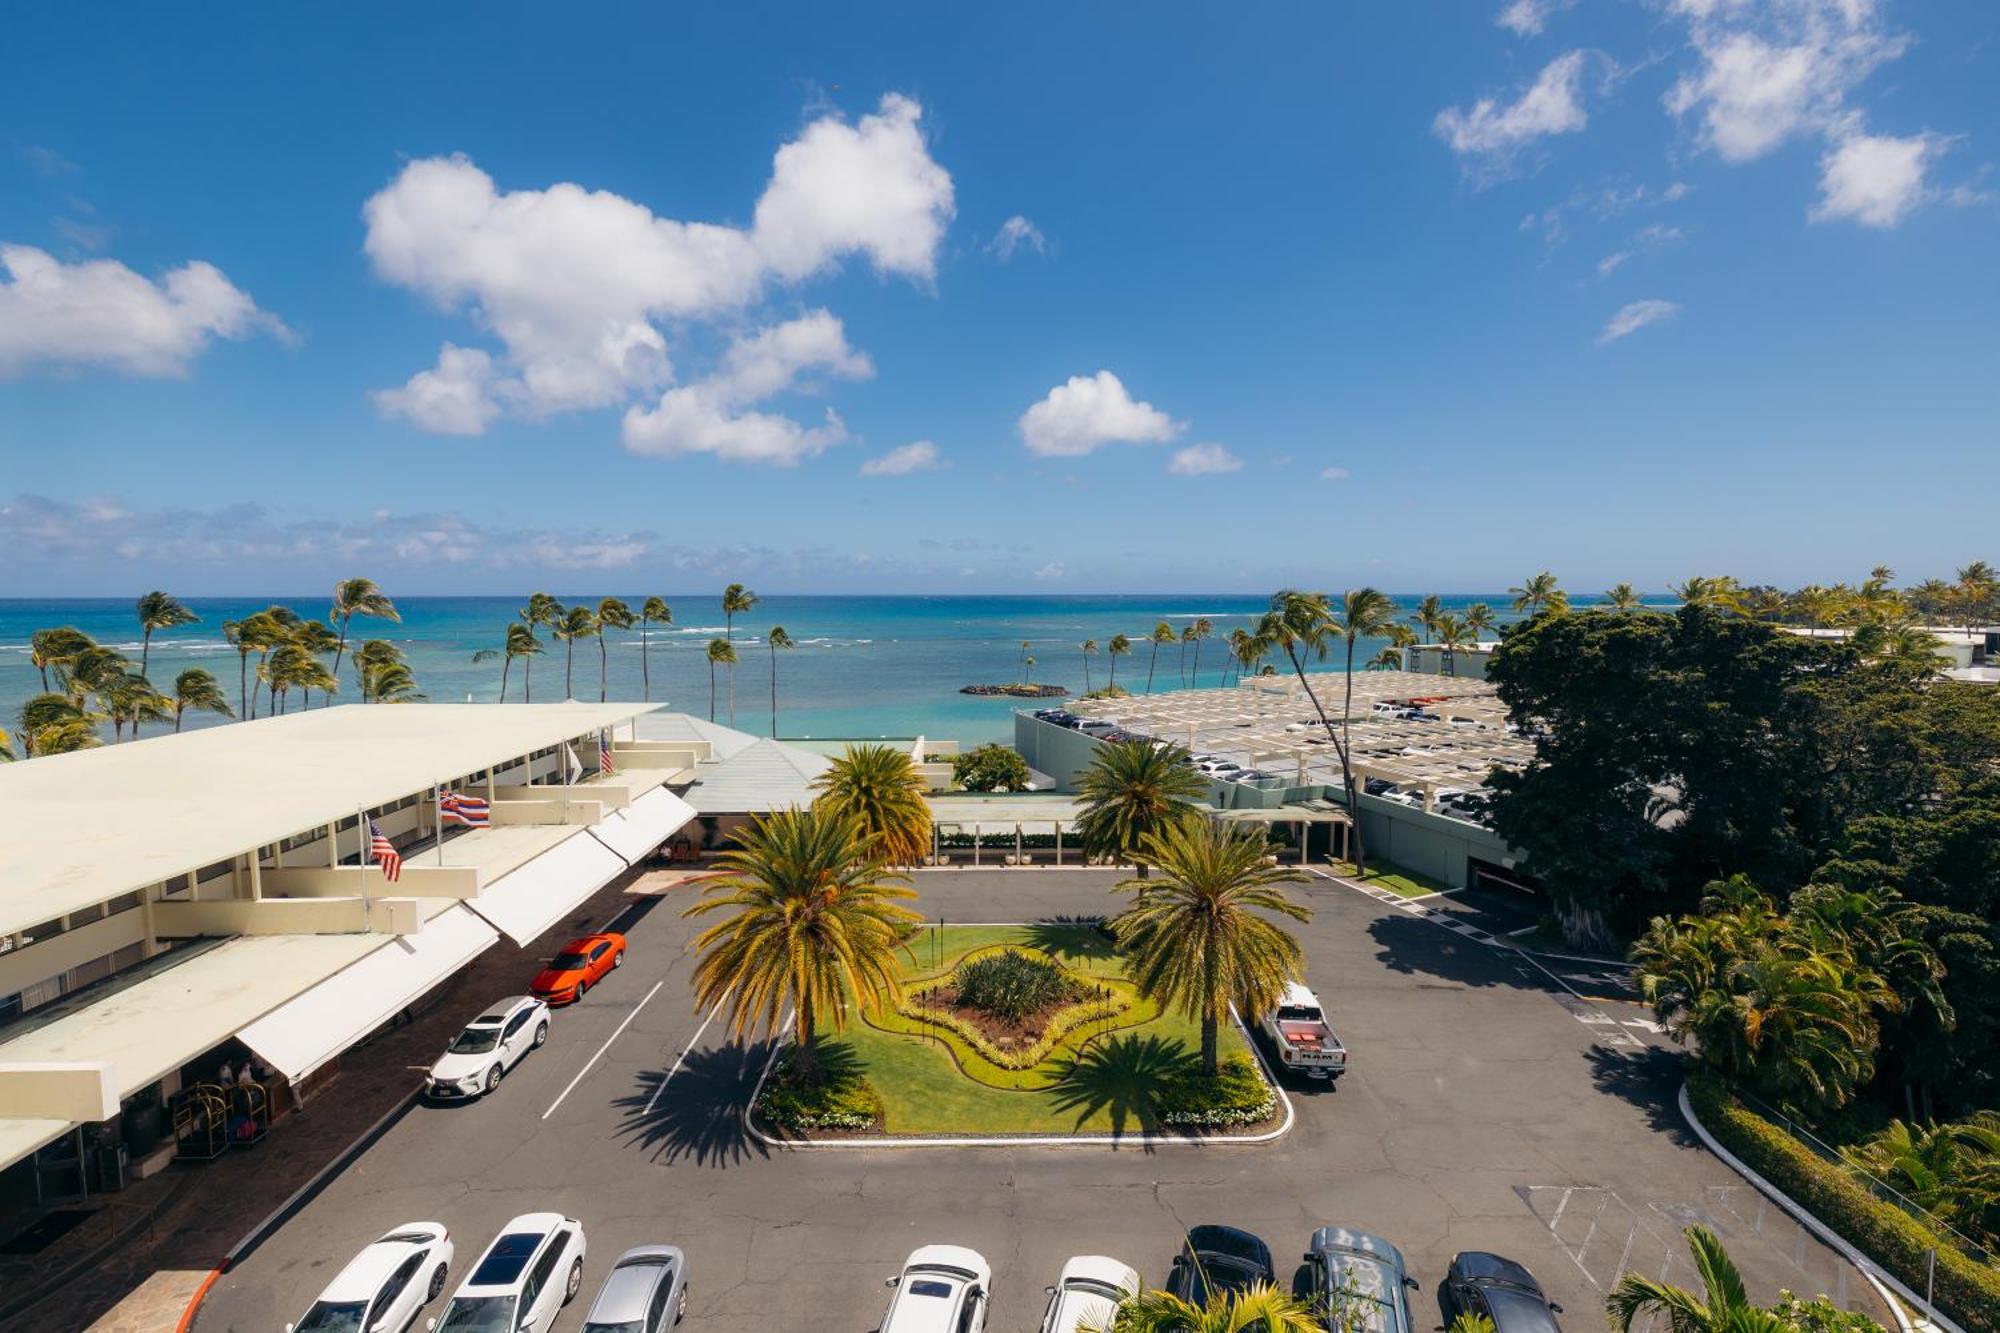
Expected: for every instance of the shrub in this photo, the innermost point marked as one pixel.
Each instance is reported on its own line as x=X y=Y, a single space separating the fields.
x=1061 y=1024
x=839 y=1101
x=1966 y=1290
x=990 y=768
x=1237 y=1095
x=1012 y=985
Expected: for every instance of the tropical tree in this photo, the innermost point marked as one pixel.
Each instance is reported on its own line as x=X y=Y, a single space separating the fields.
x=1363 y=613
x=1119 y=646
x=1538 y=594
x=291 y=667
x=1389 y=659
x=1452 y=636
x=719 y=651
x=578 y=622
x=1478 y=621
x=54 y=649
x=1089 y=650
x=813 y=923
x=1202 y=628
x=1622 y=597
x=1162 y=633
x=52 y=723
x=611 y=614
x=736 y=600
x=1258 y=1308
x=317 y=639
x=1130 y=792
x=1200 y=936
x=1950 y=1170
x=1302 y=623
x=1187 y=637
x=1718 y=593
x=157 y=611
x=390 y=683
x=132 y=699
x=654 y=612
x=197 y=689
x=1426 y=615
x=518 y=641
x=1722 y=1305
x=775 y=640
x=357 y=597
x=1978 y=589
x=880 y=791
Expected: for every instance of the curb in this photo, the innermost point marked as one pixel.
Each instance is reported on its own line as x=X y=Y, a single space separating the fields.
x=1875 y=1275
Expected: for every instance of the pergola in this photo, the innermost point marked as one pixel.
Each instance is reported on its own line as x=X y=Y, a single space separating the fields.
x=1315 y=812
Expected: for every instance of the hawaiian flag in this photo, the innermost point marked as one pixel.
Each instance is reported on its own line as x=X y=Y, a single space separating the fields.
x=385 y=853
x=471 y=811
x=604 y=764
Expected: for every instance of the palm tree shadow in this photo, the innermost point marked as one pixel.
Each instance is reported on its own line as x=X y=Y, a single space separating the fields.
x=698 y=1115
x=1123 y=1077
x=1649 y=1078
x=1076 y=940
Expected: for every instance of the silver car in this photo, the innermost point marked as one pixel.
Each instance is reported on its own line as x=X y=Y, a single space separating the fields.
x=1359 y=1281
x=645 y=1293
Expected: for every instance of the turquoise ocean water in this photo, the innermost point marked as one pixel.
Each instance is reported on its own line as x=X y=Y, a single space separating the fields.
x=864 y=666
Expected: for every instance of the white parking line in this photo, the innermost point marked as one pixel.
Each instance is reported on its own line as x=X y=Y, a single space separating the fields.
x=681 y=1059
x=605 y=1047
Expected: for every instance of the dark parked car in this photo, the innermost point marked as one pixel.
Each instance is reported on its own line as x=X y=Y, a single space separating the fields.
x=1480 y=1283
x=1219 y=1259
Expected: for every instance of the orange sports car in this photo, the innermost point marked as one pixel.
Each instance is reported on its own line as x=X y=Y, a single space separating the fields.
x=581 y=964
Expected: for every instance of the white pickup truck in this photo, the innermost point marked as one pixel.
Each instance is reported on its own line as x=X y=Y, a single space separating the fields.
x=1306 y=1043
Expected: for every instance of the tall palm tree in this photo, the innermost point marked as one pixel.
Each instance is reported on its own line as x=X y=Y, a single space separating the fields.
x=132 y=698
x=1187 y=637
x=357 y=597
x=56 y=724
x=259 y=632
x=1389 y=659
x=719 y=651
x=612 y=613
x=1426 y=614
x=1162 y=633
x=1622 y=597
x=1200 y=936
x=814 y=922
x=1716 y=593
x=775 y=640
x=1451 y=632
x=522 y=643
x=196 y=688
x=1258 y=1308
x=1089 y=649
x=157 y=611
x=1478 y=621
x=1363 y=613
x=378 y=667
x=1130 y=792
x=1978 y=587
x=1302 y=623
x=1119 y=647
x=1722 y=1306
x=1538 y=594
x=578 y=622
x=736 y=600
x=654 y=612
x=54 y=649
x=1202 y=628
x=318 y=639
x=880 y=791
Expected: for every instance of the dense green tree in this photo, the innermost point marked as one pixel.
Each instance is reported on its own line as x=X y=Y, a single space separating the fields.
x=991 y=768
x=1130 y=792
x=879 y=789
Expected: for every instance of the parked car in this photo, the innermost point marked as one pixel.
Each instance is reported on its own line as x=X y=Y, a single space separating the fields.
x=1088 y=1293
x=533 y=1268
x=1305 y=1042
x=942 y=1289
x=578 y=966
x=384 y=1286
x=1359 y=1281
x=493 y=1043
x=646 y=1292
x=1217 y=1259
x=1479 y=1283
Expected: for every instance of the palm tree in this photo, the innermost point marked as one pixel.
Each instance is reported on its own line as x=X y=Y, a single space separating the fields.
x=578 y=622
x=654 y=612
x=1426 y=614
x=521 y=643
x=1089 y=650
x=1389 y=659
x=814 y=924
x=1363 y=614
x=1119 y=647
x=259 y=633
x=1978 y=585
x=1538 y=594
x=1021 y=658
x=1303 y=622
x=1451 y=637
x=611 y=614
x=736 y=600
x=1719 y=593
x=158 y=610
x=1162 y=633
x=1200 y=936
x=879 y=790
x=318 y=639
x=1622 y=597
x=1187 y=637
x=776 y=639
x=131 y=698
x=1130 y=792
x=1950 y=1170
x=1202 y=628
x=1257 y=1308
x=719 y=650
x=390 y=683
x=1478 y=621
x=55 y=649
x=56 y=724
x=1722 y=1306
x=357 y=597
x=196 y=688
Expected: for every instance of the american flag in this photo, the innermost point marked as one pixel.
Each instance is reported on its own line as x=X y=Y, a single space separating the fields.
x=604 y=764
x=471 y=811
x=385 y=853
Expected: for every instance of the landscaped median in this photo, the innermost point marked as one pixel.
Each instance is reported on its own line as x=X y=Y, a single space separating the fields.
x=1965 y=1290
x=1029 y=1030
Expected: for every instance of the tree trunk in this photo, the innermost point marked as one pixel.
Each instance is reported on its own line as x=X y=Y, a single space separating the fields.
x=242 y=684
x=1195 y=678
x=603 y=669
x=569 y=668
x=645 y=665
x=1346 y=770
x=145 y=652
x=528 y=680
x=806 y=1065
x=774 y=691
x=732 y=694
x=1209 y=1034
x=506 y=665
x=341 y=648
x=711 y=689
x=1154 y=662
x=1340 y=749
x=177 y=721
x=1086 y=673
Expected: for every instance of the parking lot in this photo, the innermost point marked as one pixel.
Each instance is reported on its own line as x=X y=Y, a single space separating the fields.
x=1488 y=1106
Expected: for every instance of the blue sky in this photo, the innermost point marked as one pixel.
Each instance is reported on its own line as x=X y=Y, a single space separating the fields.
x=1083 y=298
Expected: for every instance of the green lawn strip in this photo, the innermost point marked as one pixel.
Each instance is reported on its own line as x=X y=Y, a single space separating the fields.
x=1403 y=883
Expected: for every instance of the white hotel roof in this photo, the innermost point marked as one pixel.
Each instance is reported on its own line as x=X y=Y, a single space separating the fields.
x=81 y=828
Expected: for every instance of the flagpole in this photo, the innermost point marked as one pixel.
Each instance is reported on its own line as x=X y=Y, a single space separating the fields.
x=363 y=841
x=437 y=811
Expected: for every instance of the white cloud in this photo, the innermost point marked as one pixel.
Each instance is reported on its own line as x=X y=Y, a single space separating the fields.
x=1875 y=180
x=1055 y=569
x=58 y=316
x=1199 y=460
x=1494 y=132
x=1651 y=237
x=1611 y=263
x=1635 y=316
x=1527 y=18
x=711 y=416
x=1333 y=474
x=576 y=284
x=1017 y=233
x=456 y=398
x=920 y=456
x=1090 y=411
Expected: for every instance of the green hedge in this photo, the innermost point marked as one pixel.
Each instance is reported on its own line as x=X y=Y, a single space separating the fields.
x=840 y=1101
x=1966 y=1290
x=1237 y=1095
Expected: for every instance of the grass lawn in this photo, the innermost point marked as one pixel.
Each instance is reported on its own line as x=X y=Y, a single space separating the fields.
x=1383 y=875
x=1101 y=1079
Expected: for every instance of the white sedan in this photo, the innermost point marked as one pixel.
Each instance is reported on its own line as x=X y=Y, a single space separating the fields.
x=1088 y=1293
x=942 y=1289
x=493 y=1043
x=533 y=1268
x=383 y=1287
